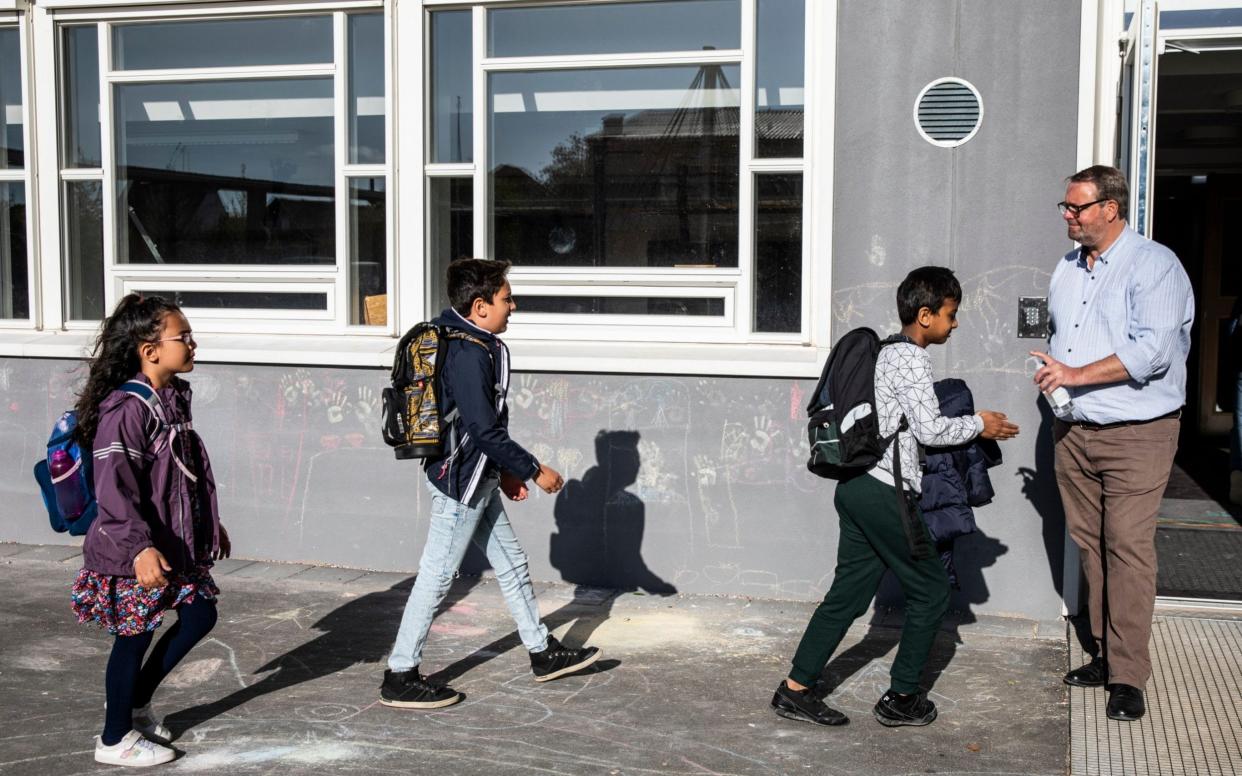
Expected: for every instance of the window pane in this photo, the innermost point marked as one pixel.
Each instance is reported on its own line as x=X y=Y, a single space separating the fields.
x=452 y=88
x=81 y=98
x=366 y=88
x=12 y=144
x=368 y=252
x=226 y=172
x=621 y=305
x=779 y=75
x=84 y=273
x=246 y=300
x=450 y=231
x=633 y=167
x=14 y=293
x=614 y=28
x=778 y=253
x=289 y=40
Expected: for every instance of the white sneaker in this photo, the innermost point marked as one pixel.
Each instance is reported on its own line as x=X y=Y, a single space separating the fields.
x=133 y=750
x=146 y=723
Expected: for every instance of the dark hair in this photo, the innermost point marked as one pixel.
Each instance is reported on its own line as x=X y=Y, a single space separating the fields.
x=471 y=279
x=136 y=319
x=926 y=287
x=1109 y=184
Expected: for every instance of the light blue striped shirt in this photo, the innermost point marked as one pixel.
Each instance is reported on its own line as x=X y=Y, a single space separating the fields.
x=1136 y=303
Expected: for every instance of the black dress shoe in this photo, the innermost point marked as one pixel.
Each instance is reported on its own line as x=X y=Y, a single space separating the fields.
x=1093 y=674
x=1125 y=703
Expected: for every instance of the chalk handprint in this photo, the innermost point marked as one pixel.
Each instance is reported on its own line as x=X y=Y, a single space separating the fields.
x=366 y=404
x=336 y=407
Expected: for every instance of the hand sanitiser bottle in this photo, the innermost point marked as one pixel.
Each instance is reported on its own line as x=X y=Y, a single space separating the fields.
x=1058 y=398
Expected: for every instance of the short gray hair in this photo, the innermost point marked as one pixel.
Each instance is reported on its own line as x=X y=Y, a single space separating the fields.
x=1110 y=184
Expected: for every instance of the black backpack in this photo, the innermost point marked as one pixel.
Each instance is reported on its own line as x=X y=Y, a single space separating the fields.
x=844 y=432
x=412 y=423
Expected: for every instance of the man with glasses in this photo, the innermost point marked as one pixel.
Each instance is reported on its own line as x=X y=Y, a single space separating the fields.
x=1121 y=308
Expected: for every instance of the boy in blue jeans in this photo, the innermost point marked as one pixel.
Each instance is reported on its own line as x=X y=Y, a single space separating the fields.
x=465 y=486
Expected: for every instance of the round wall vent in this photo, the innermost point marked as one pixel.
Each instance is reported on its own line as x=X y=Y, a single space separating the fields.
x=948 y=112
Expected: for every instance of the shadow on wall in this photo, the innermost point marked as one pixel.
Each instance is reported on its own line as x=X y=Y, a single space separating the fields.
x=599 y=529
x=1039 y=486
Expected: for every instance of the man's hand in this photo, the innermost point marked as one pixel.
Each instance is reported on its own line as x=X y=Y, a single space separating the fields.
x=549 y=479
x=513 y=487
x=1053 y=374
x=226 y=546
x=996 y=426
x=150 y=566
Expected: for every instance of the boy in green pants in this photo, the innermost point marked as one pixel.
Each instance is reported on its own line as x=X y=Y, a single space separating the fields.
x=873 y=537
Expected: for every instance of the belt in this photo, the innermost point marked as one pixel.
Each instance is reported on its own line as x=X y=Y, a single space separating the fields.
x=1105 y=426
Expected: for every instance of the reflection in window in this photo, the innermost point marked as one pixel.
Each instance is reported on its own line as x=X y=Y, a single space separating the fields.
x=226 y=172
x=452 y=88
x=80 y=97
x=287 y=40
x=779 y=78
x=366 y=88
x=634 y=167
x=778 y=252
x=246 y=300
x=12 y=144
x=622 y=305
x=615 y=28
x=368 y=252
x=14 y=283
x=84 y=265
x=450 y=231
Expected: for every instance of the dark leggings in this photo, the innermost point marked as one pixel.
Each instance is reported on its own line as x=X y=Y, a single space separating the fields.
x=130 y=684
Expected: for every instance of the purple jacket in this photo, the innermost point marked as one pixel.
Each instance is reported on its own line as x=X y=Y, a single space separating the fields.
x=146 y=492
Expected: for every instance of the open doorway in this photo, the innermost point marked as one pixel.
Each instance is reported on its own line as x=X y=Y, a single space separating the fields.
x=1197 y=211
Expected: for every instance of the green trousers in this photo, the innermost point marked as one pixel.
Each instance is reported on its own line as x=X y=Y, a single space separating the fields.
x=873 y=540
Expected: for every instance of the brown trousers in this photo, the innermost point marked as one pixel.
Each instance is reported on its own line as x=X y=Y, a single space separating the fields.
x=1111 y=482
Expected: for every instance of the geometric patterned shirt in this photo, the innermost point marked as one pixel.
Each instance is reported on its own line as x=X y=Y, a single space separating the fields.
x=903 y=385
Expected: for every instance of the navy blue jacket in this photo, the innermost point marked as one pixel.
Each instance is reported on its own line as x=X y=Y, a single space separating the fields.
x=955 y=479
x=474 y=381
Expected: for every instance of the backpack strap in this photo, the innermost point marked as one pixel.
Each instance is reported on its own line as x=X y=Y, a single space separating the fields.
x=455 y=445
x=156 y=407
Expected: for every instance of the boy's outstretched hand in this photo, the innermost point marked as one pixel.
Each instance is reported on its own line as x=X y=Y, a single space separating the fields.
x=549 y=479
x=996 y=426
x=513 y=487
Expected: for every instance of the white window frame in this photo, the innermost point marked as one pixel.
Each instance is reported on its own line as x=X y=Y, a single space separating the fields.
x=121 y=278
x=735 y=328
x=12 y=16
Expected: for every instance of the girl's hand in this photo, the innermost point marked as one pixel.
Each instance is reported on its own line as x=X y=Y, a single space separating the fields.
x=150 y=566
x=226 y=546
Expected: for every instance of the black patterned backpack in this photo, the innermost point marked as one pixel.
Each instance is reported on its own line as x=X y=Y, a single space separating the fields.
x=412 y=423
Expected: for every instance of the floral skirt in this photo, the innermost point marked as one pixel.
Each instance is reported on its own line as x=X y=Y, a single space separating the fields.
x=126 y=608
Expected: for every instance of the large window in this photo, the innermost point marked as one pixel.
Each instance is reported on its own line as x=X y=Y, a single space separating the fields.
x=15 y=270
x=639 y=163
x=239 y=165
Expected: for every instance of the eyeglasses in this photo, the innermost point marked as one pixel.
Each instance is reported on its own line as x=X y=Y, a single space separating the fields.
x=186 y=337
x=1066 y=207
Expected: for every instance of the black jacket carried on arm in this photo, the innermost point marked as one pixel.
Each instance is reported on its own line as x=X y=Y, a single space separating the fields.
x=474 y=381
x=955 y=479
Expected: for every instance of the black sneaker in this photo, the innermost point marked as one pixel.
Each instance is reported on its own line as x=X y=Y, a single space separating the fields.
x=558 y=660
x=409 y=690
x=895 y=710
x=803 y=706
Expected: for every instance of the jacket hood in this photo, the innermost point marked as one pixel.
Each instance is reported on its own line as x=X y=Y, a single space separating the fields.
x=450 y=317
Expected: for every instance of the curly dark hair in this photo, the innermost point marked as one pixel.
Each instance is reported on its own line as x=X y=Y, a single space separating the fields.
x=136 y=319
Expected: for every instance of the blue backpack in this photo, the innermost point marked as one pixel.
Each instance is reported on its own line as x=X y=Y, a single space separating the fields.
x=66 y=476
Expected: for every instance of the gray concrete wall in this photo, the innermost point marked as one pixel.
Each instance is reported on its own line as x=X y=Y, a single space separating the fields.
x=697 y=484
x=986 y=209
